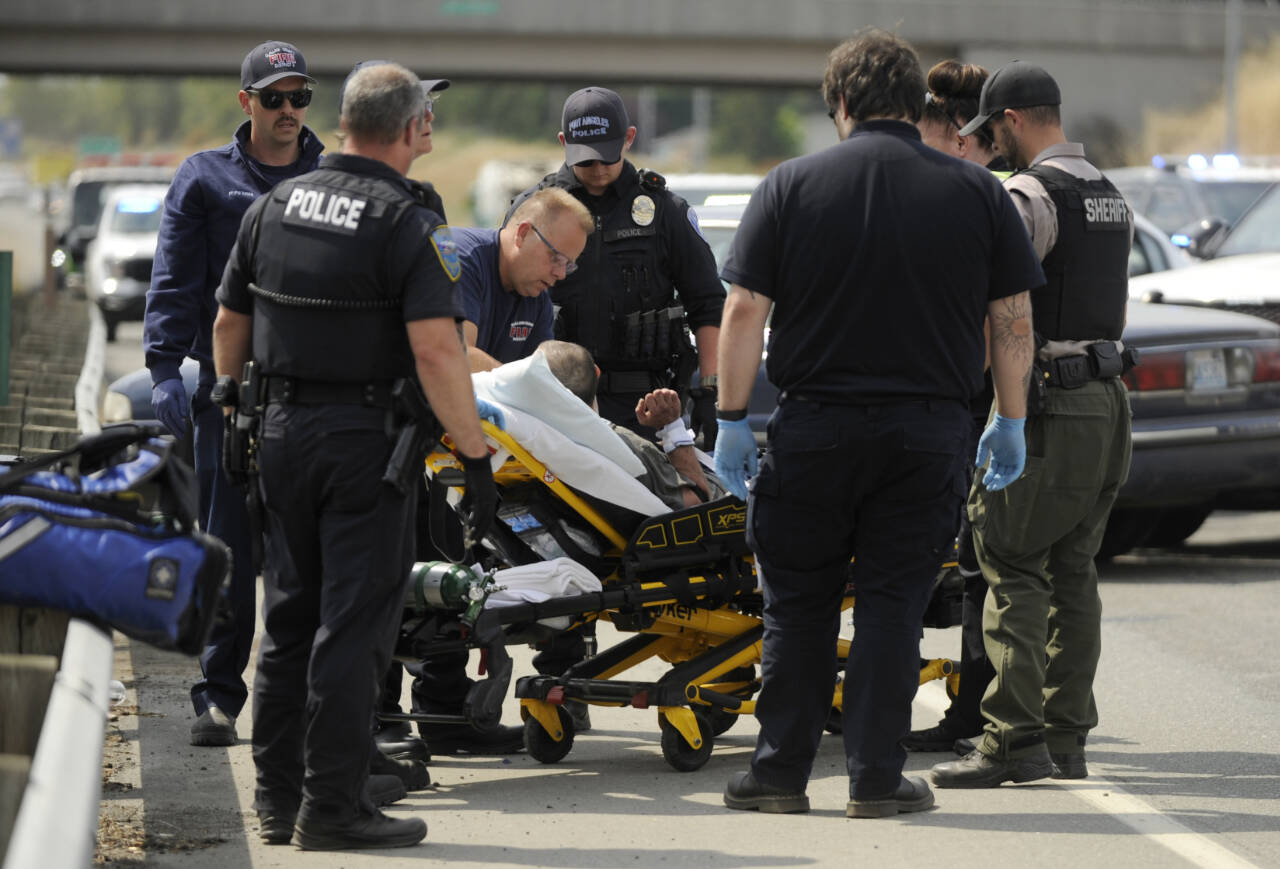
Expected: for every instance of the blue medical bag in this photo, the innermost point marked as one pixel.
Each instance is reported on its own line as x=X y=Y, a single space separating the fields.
x=106 y=531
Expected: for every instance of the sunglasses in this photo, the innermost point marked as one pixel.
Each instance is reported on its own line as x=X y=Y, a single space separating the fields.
x=558 y=260
x=299 y=99
x=587 y=164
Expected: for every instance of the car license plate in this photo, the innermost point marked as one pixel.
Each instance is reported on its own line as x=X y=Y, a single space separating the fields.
x=1206 y=369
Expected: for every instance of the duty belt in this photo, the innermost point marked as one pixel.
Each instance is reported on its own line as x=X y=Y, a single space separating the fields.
x=1100 y=361
x=294 y=390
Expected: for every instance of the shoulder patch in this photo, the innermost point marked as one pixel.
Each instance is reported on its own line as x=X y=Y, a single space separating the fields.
x=693 y=221
x=447 y=251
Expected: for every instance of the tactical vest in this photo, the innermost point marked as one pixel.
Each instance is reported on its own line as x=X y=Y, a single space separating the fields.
x=621 y=273
x=1088 y=267
x=324 y=309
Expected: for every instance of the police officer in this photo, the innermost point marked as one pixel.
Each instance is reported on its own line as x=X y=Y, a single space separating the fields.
x=1036 y=540
x=876 y=345
x=208 y=196
x=619 y=303
x=341 y=282
x=646 y=256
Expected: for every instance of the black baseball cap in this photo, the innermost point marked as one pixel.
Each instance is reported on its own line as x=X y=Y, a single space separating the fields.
x=270 y=62
x=1016 y=85
x=594 y=125
x=429 y=85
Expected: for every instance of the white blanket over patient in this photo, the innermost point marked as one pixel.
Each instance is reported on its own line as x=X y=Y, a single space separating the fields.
x=566 y=435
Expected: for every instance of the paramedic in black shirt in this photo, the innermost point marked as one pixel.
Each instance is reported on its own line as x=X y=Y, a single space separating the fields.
x=876 y=346
x=340 y=283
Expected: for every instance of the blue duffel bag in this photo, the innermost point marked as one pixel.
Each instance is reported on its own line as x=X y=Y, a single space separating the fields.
x=106 y=531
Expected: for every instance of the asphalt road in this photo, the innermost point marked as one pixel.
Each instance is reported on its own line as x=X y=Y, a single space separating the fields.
x=1185 y=765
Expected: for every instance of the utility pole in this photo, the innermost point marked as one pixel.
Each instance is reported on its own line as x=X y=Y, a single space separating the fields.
x=1230 y=62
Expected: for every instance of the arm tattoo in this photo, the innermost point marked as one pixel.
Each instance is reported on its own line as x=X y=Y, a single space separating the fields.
x=1011 y=328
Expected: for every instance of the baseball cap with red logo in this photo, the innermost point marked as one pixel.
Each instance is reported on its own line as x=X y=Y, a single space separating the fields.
x=270 y=62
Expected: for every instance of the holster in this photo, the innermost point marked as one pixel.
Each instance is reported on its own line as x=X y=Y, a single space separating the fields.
x=414 y=428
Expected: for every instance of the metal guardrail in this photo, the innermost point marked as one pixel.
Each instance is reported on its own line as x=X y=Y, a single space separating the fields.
x=58 y=819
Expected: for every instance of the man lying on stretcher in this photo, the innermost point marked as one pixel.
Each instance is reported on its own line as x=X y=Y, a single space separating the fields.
x=672 y=472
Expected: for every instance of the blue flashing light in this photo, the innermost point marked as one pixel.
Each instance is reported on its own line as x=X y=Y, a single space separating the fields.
x=1197 y=162
x=1226 y=162
x=1158 y=161
x=1180 y=239
x=138 y=205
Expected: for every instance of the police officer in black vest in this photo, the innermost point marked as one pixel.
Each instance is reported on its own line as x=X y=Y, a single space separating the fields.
x=646 y=260
x=646 y=256
x=1036 y=539
x=341 y=285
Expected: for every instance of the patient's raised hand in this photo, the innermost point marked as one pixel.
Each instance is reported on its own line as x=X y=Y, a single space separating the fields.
x=658 y=408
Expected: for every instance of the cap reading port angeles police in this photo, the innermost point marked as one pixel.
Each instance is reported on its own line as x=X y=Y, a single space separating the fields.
x=1016 y=85
x=594 y=126
x=429 y=85
x=270 y=62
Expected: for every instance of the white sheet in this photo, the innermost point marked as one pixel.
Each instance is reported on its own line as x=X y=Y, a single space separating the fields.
x=565 y=435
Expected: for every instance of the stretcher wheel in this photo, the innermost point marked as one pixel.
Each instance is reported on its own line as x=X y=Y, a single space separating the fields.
x=541 y=746
x=680 y=754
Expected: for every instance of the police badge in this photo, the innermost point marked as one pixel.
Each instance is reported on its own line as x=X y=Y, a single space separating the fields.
x=642 y=210
x=447 y=251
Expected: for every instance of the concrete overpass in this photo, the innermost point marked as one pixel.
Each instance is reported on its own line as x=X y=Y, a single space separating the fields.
x=1111 y=56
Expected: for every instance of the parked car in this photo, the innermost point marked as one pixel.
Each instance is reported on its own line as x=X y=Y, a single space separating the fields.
x=1242 y=275
x=709 y=188
x=119 y=259
x=1177 y=194
x=86 y=193
x=1205 y=398
x=128 y=397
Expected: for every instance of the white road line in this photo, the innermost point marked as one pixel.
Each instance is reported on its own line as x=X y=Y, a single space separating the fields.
x=1134 y=813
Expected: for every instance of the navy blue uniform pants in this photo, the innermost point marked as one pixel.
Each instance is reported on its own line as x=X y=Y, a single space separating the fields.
x=223 y=514
x=338 y=551
x=879 y=483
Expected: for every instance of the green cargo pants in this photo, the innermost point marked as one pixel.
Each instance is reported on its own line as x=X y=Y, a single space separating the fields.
x=1035 y=541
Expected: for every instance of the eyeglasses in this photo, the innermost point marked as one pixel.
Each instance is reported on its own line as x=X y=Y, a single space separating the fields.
x=587 y=164
x=271 y=100
x=558 y=260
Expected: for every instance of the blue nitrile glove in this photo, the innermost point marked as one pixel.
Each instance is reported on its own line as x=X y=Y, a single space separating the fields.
x=169 y=401
x=488 y=410
x=735 y=455
x=1004 y=443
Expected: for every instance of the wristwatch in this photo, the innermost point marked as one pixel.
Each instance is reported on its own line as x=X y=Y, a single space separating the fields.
x=709 y=380
x=731 y=415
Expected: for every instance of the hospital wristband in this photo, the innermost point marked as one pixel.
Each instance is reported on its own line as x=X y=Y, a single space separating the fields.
x=675 y=434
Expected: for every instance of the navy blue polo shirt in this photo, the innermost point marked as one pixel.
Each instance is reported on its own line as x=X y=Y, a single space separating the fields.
x=880 y=255
x=509 y=326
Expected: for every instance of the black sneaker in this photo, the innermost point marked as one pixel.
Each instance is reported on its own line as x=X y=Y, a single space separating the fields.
x=1069 y=765
x=214 y=727
x=912 y=795
x=413 y=774
x=939 y=738
x=977 y=770
x=275 y=828
x=465 y=739
x=366 y=831
x=744 y=793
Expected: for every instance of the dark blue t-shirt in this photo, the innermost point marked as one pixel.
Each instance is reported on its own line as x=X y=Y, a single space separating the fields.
x=880 y=255
x=509 y=326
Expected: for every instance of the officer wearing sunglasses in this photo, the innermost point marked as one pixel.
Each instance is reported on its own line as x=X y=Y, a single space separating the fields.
x=210 y=192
